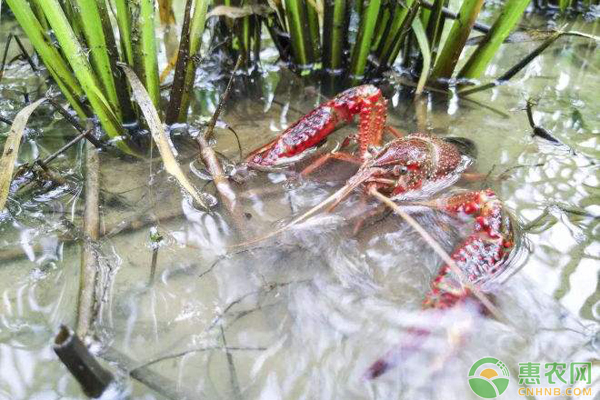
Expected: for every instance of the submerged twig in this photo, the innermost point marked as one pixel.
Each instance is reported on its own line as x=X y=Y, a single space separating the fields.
x=196 y=350
x=235 y=384
x=89 y=257
x=92 y=377
x=25 y=54
x=147 y=376
x=209 y=157
x=4 y=55
x=85 y=134
x=442 y=253
x=73 y=121
x=6 y=120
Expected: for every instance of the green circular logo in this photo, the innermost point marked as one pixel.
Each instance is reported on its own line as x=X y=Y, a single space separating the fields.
x=488 y=378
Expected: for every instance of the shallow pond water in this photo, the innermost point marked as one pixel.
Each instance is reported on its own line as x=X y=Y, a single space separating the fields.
x=302 y=316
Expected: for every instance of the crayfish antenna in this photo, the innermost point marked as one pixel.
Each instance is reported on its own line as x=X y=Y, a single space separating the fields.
x=332 y=201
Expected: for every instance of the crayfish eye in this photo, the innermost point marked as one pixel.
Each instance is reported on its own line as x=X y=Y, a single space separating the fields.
x=400 y=170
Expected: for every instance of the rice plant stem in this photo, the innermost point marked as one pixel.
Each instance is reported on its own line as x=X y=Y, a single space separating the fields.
x=56 y=64
x=298 y=28
x=459 y=33
x=97 y=44
x=516 y=68
x=335 y=34
x=478 y=26
x=83 y=71
x=123 y=16
x=183 y=58
x=362 y=47
x=393 y=33
x=478 y=61
x=195 y=42
x=149 y=50
x=313 y=26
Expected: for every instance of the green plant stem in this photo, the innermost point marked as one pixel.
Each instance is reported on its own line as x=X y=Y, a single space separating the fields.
x=461 y=28
x=144 y=47
x=362 y=47
x=483 y=28
x=56 y=64
x=183 y=58
x=435 y=26
x=403 y=41
x=196 y=31
x=313 y=25
x=394 y=34
x=100 y=59
x=516 y=68
x=478 y=61
x=299 y=33
x=381 y=28
x=335 y=34
x=124 y=23
x=421 y=36
x=123 y=94
x=83 y=71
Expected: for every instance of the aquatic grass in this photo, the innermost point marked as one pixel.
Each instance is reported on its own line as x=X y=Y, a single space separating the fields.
x=123 y=17
x=385 y=34
x=425 y=52
x=83 y=53
x=50 y=56
x=335 y=38
x=478 y=61
x=455 y=42
x=298 y=25
x=180 y=66
x=108 y=116
x=95 y=36
x=144 y=47
x=551 y=38
x=195 y=42
x=362 y=47
x=435 y=26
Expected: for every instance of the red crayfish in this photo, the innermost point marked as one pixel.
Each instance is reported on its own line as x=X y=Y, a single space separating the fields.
x=411 y=167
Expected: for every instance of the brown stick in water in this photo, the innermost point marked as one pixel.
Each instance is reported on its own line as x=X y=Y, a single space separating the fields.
x=92 y=377
x=209 y=157
x=89 y=257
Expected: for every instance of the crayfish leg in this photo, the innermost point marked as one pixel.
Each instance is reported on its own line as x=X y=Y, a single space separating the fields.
x=482 y=255
x=329 y=156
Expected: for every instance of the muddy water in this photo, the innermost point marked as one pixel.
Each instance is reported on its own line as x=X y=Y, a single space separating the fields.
x=302 y=316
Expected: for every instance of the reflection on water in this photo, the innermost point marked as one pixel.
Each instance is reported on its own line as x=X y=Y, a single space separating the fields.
x=304 y=315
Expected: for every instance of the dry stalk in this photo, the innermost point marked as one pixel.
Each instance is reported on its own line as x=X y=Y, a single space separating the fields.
x=92 y=377
x=145 y=375
x=209 y=158
x=89 y=256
